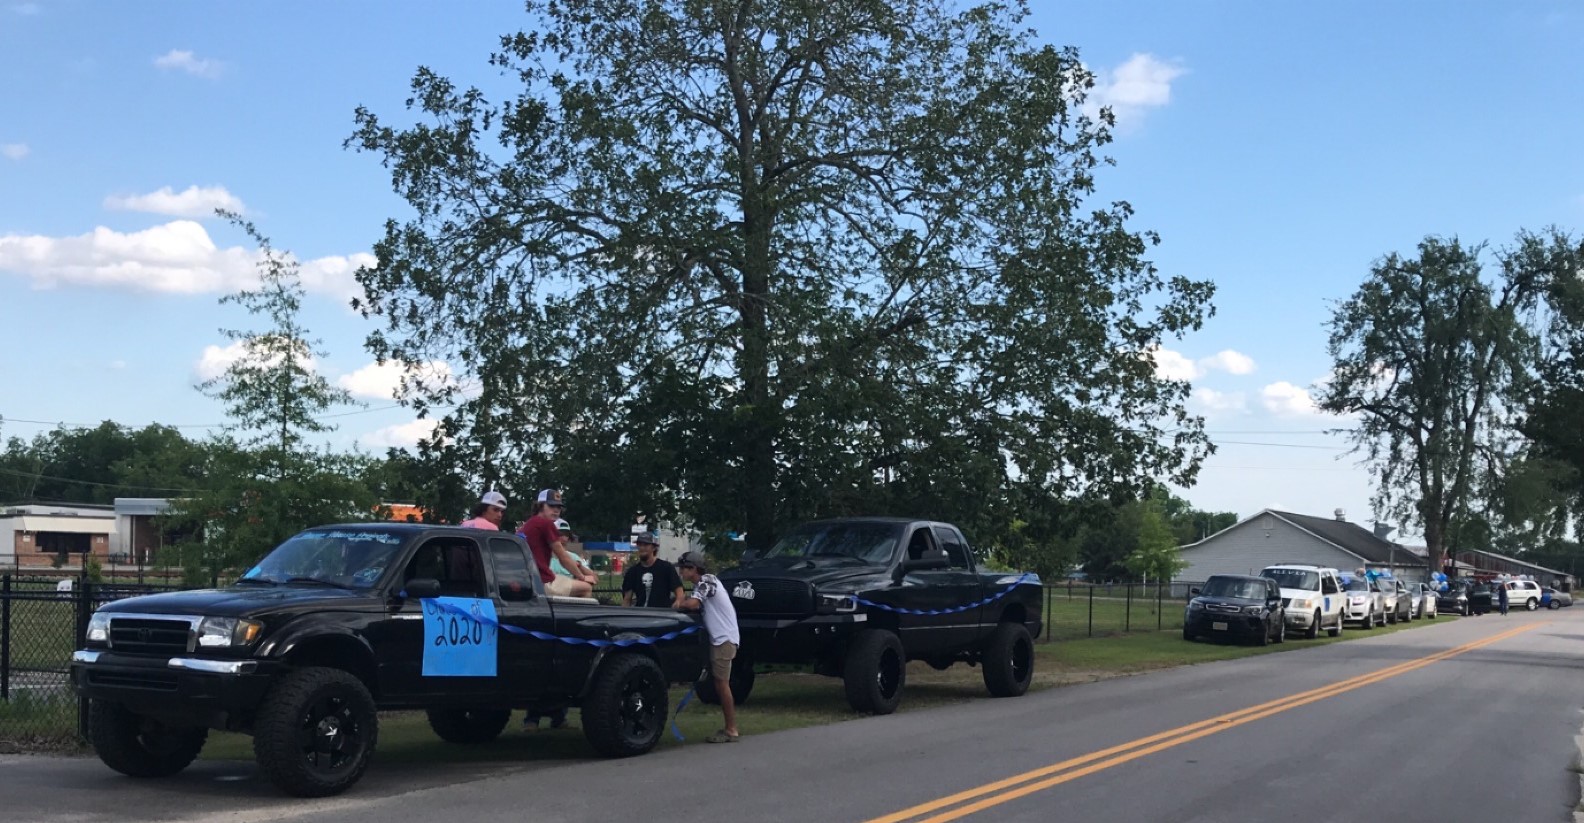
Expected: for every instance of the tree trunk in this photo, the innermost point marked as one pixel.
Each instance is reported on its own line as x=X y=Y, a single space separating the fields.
x=1435 y=544
x=758 y=441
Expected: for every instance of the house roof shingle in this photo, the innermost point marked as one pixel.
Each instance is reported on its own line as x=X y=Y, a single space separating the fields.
x=1354 y=538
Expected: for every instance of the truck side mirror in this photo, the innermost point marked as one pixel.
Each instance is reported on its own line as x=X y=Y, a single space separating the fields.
x=1194 y=590
x=931 y=559
x=421 y=587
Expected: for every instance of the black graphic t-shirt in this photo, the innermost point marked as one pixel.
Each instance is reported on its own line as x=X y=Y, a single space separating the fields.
x=652 y=585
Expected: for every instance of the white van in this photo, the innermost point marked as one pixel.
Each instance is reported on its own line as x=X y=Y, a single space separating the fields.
x=1311 y=595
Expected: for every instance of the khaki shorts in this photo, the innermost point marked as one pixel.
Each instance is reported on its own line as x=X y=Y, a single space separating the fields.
x=721 y=657
x=561 y=586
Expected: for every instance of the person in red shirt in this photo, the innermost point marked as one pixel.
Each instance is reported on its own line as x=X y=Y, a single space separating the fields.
x=544 y=540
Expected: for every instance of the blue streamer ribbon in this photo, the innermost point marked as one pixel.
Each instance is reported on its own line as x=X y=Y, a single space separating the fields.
x=682 y=704
x=623 y=643
x=954 y=610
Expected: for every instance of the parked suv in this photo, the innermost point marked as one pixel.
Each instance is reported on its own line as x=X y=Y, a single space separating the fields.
x=1401 y=602
x=1524 y=594
x=1236 y=605
x=1311 y=595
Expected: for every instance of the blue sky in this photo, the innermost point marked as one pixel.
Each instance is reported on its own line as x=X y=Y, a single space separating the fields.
x=1278 y=148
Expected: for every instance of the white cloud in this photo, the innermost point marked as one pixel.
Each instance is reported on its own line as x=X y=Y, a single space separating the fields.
x=15 y=151
x=1210 y=401
x=378 y=381
x=190 y=202
x=1133 y=88
x=1172 y=365
x=1232 y=362
x=175 y=258
x=400 y=436
x=183 y=60
x=1283 y=399
x=216 y=359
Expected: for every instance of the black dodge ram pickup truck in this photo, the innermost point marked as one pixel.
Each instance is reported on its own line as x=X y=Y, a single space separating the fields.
x=858 y=598
x=341 y=622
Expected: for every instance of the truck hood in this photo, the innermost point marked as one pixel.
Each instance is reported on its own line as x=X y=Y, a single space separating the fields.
x=246 y=601
x=830 y=576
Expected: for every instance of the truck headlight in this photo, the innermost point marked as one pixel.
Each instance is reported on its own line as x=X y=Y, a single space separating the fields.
x=1302 y=604
x=99 y=628
x=1194 y=605
x=228 y=631
x=836 y=604
x=1253 y=609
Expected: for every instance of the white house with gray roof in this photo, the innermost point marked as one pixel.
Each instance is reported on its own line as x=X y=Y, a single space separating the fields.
x=1272 y=537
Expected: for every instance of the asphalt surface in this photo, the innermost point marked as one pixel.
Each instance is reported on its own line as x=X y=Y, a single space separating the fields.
x=1487 y=734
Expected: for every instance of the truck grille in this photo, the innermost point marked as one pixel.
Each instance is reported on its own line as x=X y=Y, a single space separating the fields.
x=150 y=636
x=770 y=597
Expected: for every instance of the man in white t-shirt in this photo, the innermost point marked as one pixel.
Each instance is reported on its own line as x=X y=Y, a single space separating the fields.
x=720 y=621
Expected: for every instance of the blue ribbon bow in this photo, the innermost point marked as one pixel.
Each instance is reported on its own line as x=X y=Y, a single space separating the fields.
x=623 y=643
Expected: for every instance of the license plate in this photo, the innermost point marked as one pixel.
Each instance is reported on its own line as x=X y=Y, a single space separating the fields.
x=1220 y=627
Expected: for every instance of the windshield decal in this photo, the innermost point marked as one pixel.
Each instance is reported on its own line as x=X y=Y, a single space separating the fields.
x=361 y=537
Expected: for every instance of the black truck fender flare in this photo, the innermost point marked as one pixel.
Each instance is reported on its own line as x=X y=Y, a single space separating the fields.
x=606 y=652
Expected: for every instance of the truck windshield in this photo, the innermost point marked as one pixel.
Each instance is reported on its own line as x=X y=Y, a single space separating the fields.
x=867 y=542
x=338 y=557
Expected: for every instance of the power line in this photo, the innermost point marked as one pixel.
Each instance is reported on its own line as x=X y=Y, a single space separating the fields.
x=1281 y=445
x=17 y=473
x=65 y=425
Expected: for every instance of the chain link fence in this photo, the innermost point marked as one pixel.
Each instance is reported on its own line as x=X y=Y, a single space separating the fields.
x=1078 y=610
x=41 y=623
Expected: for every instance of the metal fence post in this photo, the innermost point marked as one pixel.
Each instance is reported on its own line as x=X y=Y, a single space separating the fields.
x=1160 y=600
x=84 y=612
x=5 y=637
x=1127 y=611
x=1091 y=610
x=1047 y=625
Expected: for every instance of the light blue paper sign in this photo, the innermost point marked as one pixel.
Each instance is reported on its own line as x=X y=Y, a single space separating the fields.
x=460 y=639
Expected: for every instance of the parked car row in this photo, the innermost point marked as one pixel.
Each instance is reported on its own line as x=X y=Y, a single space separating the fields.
x=1304 y=598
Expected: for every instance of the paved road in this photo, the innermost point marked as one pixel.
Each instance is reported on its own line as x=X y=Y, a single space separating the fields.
x=1470 y=720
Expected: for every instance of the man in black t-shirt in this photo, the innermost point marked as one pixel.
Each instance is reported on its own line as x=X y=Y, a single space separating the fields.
x=651 y=581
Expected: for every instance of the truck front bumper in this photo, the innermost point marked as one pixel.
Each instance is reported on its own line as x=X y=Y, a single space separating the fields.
x=796 y=640
x=207 y=690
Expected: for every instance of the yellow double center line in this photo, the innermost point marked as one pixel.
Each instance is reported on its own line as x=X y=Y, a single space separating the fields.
x=1027 y=783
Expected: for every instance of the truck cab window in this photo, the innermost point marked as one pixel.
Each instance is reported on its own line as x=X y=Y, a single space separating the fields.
x=454 y=562
x=513 y=574
x=952 y=542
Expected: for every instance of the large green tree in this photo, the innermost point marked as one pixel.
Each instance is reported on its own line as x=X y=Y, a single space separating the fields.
x=750 y=261
x=98 y=464
x=265 y=477
x=1434 y=354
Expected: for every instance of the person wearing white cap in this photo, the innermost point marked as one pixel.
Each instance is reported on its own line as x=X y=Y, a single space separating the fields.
x=487 y=513
x=545 y=541
x=579 y=570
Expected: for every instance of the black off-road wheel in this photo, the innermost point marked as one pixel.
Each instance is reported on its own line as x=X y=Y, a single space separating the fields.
x=1009 y=661
x=468 y=726
x=625 y=711
x=742 y=683
x=875 y=672
x=138 y=746
x=315 y=732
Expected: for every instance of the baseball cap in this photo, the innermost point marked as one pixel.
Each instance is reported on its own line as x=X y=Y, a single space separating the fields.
x=562 y=525
x=494 y=498
x=648 y=538
x=550 y=496
x=694 y=559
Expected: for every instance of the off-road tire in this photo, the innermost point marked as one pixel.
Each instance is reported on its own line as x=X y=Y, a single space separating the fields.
x=137 y=746
x=307 y=708
x=1009 y=660
x=468 y=726
x=626 y=709
x=875 y=672
x=742 y=683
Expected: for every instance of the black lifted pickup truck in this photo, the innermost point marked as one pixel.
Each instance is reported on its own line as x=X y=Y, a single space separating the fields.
x=341 y=622
x=858 y=598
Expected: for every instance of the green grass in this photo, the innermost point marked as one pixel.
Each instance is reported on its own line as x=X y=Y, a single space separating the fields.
x=790 y=700
x=29 y=722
